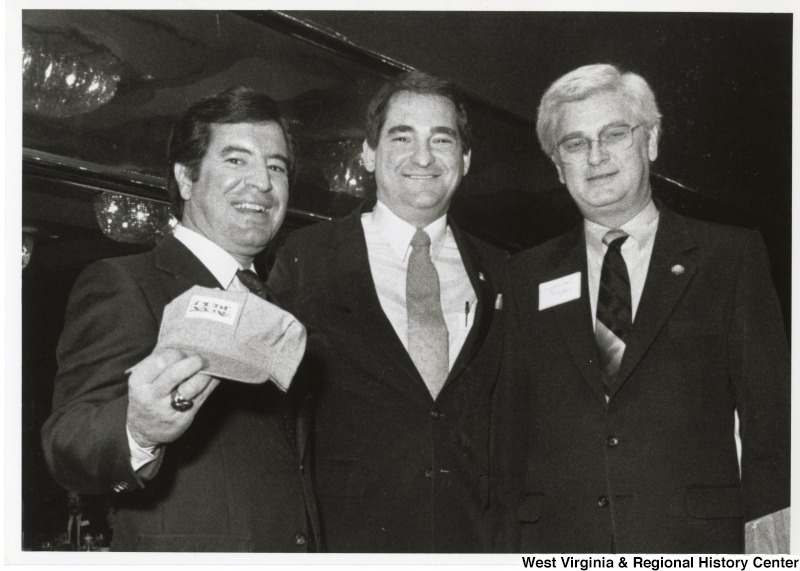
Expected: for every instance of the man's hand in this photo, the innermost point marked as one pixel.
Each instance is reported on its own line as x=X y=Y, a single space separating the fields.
x=151 y=418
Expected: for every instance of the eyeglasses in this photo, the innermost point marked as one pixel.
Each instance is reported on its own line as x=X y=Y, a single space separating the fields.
x=576 y=149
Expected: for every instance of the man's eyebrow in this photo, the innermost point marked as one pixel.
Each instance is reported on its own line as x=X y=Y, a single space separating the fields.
x=581 y=133
x=235 y=149
x=445 y=131
x=399 y=129
x=436 y=130
x=280 y=157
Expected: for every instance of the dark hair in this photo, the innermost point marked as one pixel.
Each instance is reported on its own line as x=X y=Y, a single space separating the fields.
x=421 y=84
x=191 y=132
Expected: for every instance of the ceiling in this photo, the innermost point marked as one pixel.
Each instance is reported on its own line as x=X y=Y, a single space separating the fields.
x=723 y=80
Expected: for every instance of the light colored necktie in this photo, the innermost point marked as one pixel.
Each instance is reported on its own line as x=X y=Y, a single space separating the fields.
x=427 y=332
x=613 y=323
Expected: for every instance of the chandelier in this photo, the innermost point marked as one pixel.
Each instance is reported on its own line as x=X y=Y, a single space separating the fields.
x=65 y=75
x=131 y=219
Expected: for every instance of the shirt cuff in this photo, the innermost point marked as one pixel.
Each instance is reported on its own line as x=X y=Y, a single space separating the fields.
x=140 y=455
x=768 y=534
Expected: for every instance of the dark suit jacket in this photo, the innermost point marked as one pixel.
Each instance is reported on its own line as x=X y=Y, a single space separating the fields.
x=232 y=482
x=394 y=470
x=656 y=467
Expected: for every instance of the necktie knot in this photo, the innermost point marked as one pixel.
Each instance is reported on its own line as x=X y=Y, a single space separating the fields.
x=421 y=240
x=614 y=239
x=252 y=282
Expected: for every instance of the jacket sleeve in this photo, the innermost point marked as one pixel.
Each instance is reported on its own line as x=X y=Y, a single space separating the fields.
x=759 y=364
x=109 y=327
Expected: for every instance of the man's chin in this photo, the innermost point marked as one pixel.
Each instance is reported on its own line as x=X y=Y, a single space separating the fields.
x=254 y=240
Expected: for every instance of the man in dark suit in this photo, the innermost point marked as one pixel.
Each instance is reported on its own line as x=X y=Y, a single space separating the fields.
x=637 y=339
x=402 y=311
x=83 y=527
x=194 y=470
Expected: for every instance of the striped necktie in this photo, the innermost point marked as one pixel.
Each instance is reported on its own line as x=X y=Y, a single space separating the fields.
x=613 y=324
x=427 y=332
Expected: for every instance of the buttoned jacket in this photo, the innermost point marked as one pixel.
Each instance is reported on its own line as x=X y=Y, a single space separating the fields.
x=656 y=466
x=395 y=470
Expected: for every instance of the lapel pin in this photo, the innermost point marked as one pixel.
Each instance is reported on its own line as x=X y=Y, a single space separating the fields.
x=480 y=277
x=678 y=269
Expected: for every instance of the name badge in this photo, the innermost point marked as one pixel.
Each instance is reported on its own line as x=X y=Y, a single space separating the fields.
x=558 y=291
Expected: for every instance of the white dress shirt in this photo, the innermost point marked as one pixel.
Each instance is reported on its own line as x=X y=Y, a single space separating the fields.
x=388 y=240
x=636 y=251
x=223 y=267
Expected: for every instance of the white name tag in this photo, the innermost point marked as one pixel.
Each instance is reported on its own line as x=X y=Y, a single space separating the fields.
x=222 y=310
x=558 y=291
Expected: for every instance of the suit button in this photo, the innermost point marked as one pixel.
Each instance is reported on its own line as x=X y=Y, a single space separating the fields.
x=612 y=441
x=429 y=473
x=435 y=414
x=602 y=501
x=120 y=487
x=300 y=539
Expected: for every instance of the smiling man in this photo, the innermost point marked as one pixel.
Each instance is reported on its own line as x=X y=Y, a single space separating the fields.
x=403 y=313
x=193 y=470
x=634 y=340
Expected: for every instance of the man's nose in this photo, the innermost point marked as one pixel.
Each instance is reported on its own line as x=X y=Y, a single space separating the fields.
x=597 y=153
x=259 y=177
x=422 y=154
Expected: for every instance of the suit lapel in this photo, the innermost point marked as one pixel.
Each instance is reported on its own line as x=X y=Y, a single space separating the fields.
x=672 y=265
x=173 y=258
x=482 y=283
x=574 y=318
x=186 y=270
x=355 y=290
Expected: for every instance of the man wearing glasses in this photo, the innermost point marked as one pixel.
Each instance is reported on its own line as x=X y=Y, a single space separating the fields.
x=637 y=339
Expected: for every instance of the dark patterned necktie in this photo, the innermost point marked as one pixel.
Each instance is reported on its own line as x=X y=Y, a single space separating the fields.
x=613 y=309
x=252 y=282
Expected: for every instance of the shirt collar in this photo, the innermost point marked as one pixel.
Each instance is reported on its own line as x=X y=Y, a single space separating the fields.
x=398 y=233
x=220 y=263
x=640 y=228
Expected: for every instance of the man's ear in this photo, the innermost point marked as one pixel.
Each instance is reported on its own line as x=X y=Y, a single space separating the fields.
x=652 y=144
x=558 y=168
x=467 y=159
x=184 y=180
x=368 y=156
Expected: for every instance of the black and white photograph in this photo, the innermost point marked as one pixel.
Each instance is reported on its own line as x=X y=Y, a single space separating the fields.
x=424 y=284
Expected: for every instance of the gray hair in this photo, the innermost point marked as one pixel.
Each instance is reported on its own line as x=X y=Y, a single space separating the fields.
x=589 y=80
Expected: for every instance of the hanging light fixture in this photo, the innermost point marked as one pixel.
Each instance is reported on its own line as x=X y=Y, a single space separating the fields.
x=65 y=75
x=343 y=168
x=27 y=249
x=131 y=219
